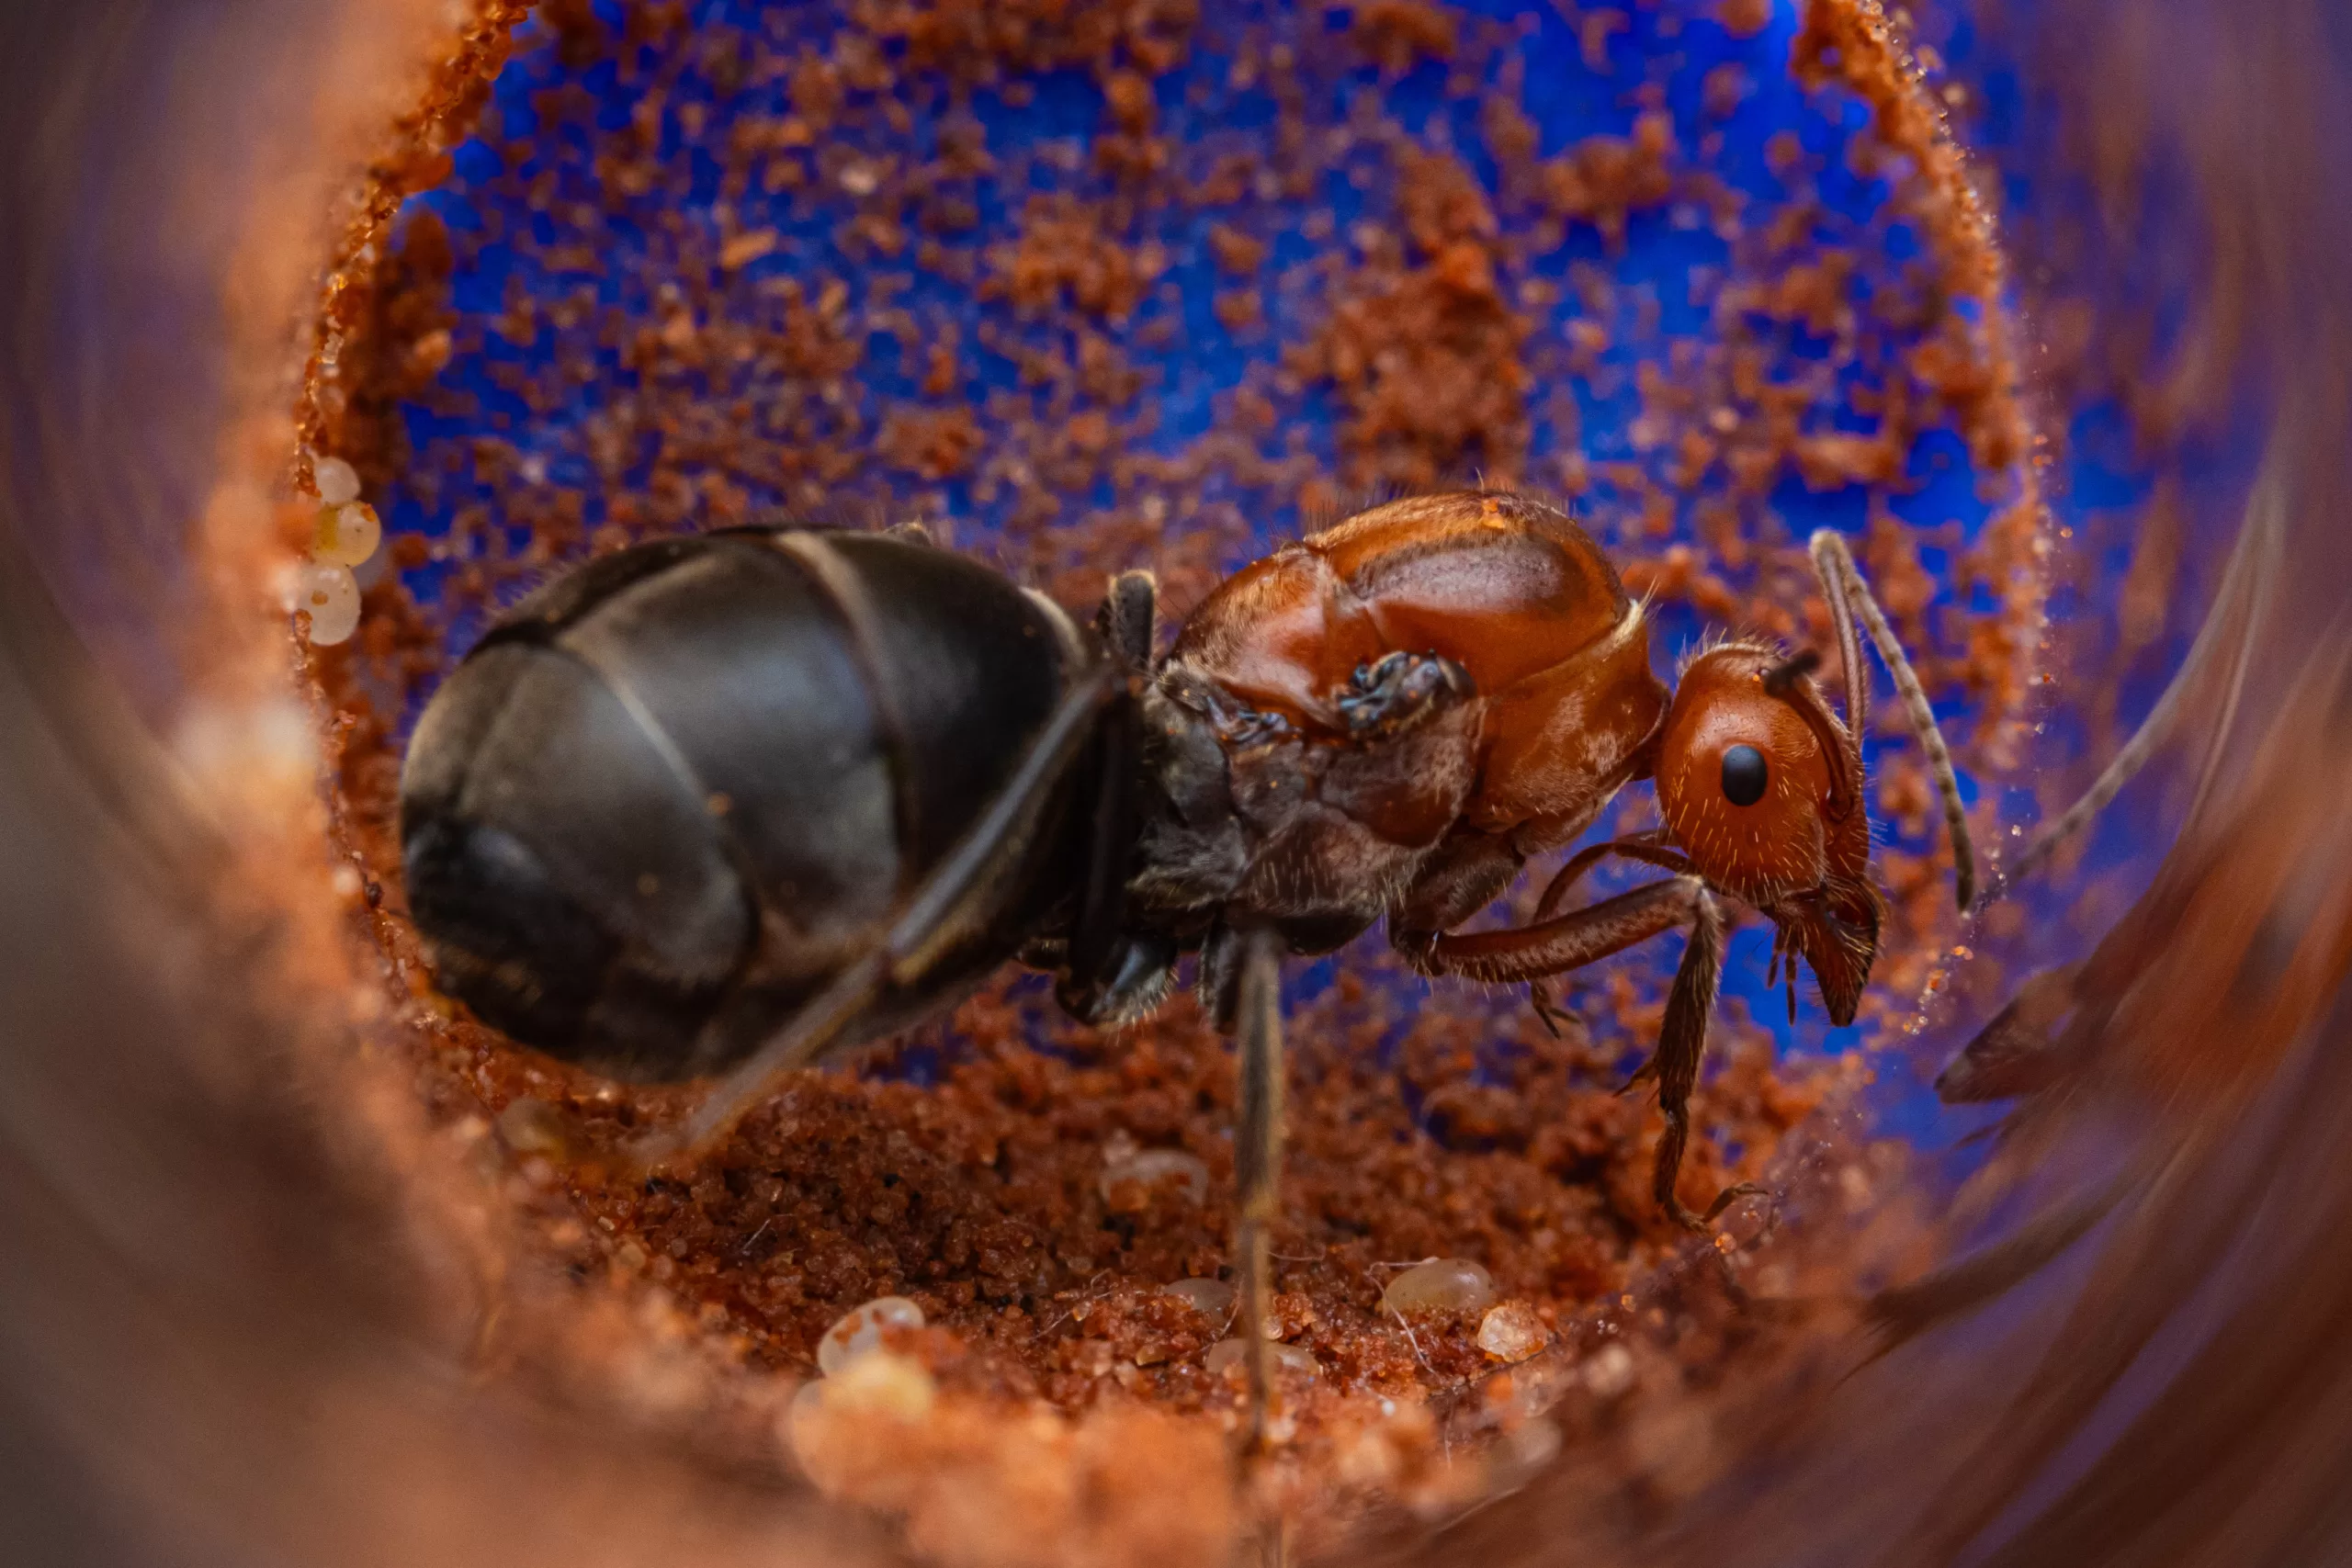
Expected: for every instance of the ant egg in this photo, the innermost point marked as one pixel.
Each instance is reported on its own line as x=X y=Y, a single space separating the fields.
x=1443 y=1284
x=861 y=1330
x=895 y=1387
x=1151 y=1168
x=1227 y=1353
x=330 y=595
x=1511 y=1332
x=337 y=480
x=346 y=535
x=1213 y=1299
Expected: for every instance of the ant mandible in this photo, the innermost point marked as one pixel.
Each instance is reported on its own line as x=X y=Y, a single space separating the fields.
x=731 y=802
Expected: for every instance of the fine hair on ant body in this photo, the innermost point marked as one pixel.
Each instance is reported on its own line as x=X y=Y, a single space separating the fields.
x=725 y=803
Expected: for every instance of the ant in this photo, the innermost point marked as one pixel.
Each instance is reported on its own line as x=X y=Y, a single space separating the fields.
x=729 y=801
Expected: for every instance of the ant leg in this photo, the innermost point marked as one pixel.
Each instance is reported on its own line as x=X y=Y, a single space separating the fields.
x=1681 y=1046
x=1571 y=941
x=1556 y=893
x=1548 y=1013
x=1257 y=1161
x=1902 y=1312
x=1399 y=691
x=1842 y=586
x=2018 y=1053
x=1564 y=881
x=1110 y=973
x=2246 y=583
x=1642 y=849
x=1127 y=621
x=1557 y=945
x=939 y=915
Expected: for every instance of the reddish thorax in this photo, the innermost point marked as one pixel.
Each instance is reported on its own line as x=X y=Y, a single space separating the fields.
x=1504 y=586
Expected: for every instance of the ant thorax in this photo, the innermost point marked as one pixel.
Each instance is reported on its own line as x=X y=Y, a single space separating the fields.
x=1317 y=829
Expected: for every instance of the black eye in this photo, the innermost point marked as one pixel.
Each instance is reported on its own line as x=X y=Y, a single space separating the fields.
x=1744 y=775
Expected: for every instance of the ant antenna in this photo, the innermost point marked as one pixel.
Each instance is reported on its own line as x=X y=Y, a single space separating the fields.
x=1841 y=749
x=1847 y=594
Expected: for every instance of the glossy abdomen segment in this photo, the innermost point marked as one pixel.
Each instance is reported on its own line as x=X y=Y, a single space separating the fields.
x=1506 y=586
x=673 y=794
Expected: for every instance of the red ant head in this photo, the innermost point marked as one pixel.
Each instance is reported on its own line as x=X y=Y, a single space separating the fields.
x=1761 y=786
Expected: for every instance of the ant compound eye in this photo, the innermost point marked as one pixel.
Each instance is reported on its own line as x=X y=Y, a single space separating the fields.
x=1745 y=775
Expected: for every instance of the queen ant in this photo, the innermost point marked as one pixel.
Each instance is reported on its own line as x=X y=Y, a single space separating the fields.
x=731 y=802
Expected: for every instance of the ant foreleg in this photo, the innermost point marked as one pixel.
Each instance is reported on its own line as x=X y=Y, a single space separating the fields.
x=1257 y=1162
x=1681 y=1047
x=1571 y=941
x=1641 y=847
x=1110 y=973
x=1548 y=1013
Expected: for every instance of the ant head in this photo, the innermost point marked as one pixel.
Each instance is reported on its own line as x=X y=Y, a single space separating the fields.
x=1761 y=787
x=1755 y=775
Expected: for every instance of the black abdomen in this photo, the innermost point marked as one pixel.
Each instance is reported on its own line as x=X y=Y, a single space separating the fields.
x=670 y=794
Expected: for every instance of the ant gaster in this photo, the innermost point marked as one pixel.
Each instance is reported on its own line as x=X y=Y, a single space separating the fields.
x=729 y=801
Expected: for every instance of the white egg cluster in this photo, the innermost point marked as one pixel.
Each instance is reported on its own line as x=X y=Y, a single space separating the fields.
x=344 y=534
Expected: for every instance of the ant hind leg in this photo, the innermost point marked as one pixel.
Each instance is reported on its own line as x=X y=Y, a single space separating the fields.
x=1257 y=1162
